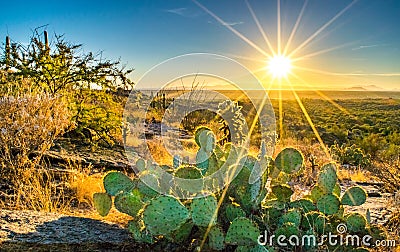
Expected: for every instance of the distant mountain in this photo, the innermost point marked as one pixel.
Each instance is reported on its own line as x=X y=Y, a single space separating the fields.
x=356 y=88
x=366 y=88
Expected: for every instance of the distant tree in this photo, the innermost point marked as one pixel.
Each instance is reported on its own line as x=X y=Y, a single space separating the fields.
x=61 y=68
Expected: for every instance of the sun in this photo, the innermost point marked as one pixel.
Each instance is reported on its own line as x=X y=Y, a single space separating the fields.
x=279 y=66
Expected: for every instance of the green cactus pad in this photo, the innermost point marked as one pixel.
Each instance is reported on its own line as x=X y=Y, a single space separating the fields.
x=202 y=161
x=141 y=164
x=203 y=210
x=304 y=205
x=377 y=232
x=183 y=233
x=129 y=202
x=213 y=165
x=145 y=189
x=232 y=212
x=197 y=133
x=164 y=215
x=102 y=203
x=282 y=192
x=216 y=238
x=337 y=190
x=327 y=178
x=315 y=221
x=289 y=160
x=328 y=204
x=188 y=172
x=316 y=193
x=242 y=231
x=116 y=182
x=139 y=233
x=354 y=196
x=280 y=205
x=270 y=215
x=292 y=216
x=287 y=229
x=355 y=222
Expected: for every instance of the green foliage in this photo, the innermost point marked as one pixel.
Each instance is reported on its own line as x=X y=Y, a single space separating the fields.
x=117 y=182
x=289 y=160
x=355 y=222
x=203 y=210
x=87 y=81
x=102 y=202
x=164 y=215
x=216 y=238
x=245 y=209
x=242 y=231
x=327 y=178
x=354 y=196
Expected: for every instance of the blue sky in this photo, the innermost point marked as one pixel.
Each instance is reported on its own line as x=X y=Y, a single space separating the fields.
x=145 y=33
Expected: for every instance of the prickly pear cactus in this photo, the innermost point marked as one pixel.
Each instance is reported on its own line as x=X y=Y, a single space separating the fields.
x=304 y=205
x=164 y=215
x=354 y=196
x=242 y=231
x=233 y=211
x=355 y=222
x=282 y=192
x=328 y=204
x=292 y=216
x=182 y=233
x=287 y=229
x=129 y=202
x=203 y=210
x=102 y=203
x=139 y=233
x=116 y=182
x=197 y=133
x=289 y=160
x=216 y=238
x=315 y=221
x=327 y=178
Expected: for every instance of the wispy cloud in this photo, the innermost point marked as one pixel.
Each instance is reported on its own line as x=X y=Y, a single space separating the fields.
x=367 y=46
x=184 y=12
x=232 y=23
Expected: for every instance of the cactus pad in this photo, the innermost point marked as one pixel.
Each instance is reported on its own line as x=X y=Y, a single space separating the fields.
x=292 y=216
x=282 y=192
x=139 y=233
x=354 y=196
x=129 y=202
x=232 y=212
x=216 y=238
x=164 y=215
x=197 y=133
x=328 y=204
x=289 y=160
x=355 y=222
x=304 y=205
x=327 y=178
x=203 y=210
x=102 y=203
x=314 y=221
x=116 y=182
x=242 y=231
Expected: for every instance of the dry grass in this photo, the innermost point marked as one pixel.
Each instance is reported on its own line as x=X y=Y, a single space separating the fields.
x=28 y=126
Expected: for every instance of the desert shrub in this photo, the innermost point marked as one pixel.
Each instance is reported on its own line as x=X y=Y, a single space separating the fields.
x=28 y=126
x=350 y=155
x=88 y=81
